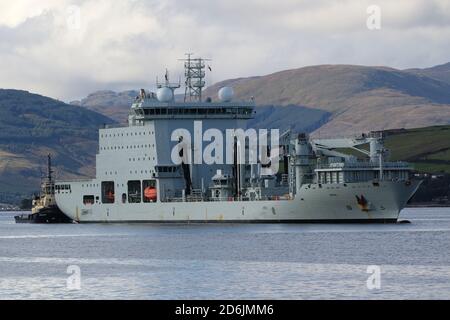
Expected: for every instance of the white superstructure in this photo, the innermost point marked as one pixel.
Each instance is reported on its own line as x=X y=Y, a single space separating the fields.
x=138 y=181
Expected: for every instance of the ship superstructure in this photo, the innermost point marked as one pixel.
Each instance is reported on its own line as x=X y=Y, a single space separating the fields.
x=138 y=180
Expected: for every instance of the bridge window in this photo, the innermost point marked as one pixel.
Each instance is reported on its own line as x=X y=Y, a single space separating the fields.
x=108 y=192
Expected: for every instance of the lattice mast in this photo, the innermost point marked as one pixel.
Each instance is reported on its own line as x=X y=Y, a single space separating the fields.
x=194 y=71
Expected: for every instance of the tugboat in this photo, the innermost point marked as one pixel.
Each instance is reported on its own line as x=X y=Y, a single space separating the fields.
x=44 y=208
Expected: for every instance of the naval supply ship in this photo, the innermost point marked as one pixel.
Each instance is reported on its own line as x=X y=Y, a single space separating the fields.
x=138 y=180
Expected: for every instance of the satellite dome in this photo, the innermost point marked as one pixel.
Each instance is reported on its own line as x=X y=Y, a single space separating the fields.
x=164 y=94
x=226 y=94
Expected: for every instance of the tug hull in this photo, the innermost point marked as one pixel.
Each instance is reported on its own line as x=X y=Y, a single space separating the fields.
x=46 y=215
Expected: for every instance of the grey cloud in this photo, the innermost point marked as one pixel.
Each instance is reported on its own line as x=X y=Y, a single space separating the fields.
x=124 y=45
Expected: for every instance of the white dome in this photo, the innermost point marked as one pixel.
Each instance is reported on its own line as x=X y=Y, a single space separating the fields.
x=164 y=94
x=226 y=94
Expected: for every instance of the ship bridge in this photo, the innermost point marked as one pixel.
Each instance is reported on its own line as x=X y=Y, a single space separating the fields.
x=163 y=105
x=154 y=109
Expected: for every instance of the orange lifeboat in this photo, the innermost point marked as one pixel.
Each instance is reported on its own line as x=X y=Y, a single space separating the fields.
x=150 y=194
x=110 y=196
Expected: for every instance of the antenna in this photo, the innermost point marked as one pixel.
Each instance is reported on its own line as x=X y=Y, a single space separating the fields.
x=194 y=71
x=167 y=83
x=49 y=167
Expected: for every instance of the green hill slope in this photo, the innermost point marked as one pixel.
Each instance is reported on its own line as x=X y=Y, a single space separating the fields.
x=31 y=126
x=427 y=148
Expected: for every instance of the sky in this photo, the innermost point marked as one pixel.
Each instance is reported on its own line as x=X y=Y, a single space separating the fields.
x=67 y=49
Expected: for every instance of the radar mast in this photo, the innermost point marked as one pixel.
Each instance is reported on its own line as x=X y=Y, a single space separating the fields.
x=194 y=71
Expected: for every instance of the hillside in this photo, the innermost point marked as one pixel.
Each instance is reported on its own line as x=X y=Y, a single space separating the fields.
x=114 y=105
x=428 y=149
x=31 y=126
x=275 y=117
x=440 y=72
x=353 y=99
x=360 y=98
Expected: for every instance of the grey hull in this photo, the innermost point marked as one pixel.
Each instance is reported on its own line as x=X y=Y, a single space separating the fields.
x=327 y=203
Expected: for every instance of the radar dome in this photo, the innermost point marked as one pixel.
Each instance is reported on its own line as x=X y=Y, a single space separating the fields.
x=226 y=94
x=164 y=94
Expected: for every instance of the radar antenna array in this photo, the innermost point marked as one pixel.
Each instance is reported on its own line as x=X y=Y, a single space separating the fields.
x=167 y=83
x=194 y=71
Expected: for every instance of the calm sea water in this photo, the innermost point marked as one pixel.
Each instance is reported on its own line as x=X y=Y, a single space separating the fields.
x=235 y=261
